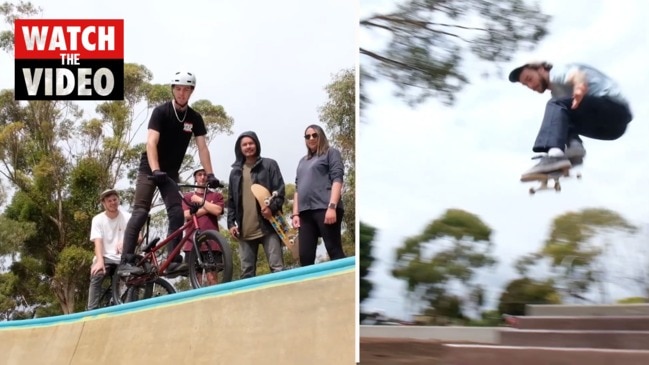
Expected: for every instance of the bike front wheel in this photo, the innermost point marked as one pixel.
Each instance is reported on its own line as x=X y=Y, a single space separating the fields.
x=210 y=260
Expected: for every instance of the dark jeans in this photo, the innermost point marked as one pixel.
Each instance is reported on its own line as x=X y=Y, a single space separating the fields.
x=95 y=290
x=144 y=190
x=312 y=226
x=596 y=117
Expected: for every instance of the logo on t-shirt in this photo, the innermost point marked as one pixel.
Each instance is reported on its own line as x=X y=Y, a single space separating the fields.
x=187 y=127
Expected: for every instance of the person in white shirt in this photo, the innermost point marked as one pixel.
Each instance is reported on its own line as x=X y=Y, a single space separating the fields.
x=107 y=233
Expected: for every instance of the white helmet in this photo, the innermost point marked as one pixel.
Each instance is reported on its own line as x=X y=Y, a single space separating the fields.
x=183 y=78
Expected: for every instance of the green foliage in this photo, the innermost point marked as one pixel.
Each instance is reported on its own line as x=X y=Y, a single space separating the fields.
x=489 y=318
x=632 y=300
x=573 y=244
x=521 y=292
x=449 y=250
x=339 y=116
x=158 y=94
x=12 y=234
x=22 y=291
x=215 y=117
x=11 y=12
x=366 y=259
x=428 y=42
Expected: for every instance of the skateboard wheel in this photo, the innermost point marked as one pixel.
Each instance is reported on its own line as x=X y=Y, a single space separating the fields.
x=578 y=176
x=532 y=191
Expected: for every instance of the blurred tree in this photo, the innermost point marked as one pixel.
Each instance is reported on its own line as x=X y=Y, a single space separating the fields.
x=11 y=12
x=520 y=292
x=367 y=234
x=576 y=243
x=428 y=41
x=449 y=251
x=632 y=300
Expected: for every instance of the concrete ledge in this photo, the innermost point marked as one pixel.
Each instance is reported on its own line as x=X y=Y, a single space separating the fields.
x=623 y=323
x=626 y=340
x=499 y=355
x=486 y=335
x=587 y=310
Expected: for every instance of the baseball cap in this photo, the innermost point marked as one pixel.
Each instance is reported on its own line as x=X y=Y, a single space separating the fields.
x=515 y=75
x=106 y=193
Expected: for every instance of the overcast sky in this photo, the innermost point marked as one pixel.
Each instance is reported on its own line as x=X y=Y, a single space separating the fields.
x=416 y=163
x=266 y=62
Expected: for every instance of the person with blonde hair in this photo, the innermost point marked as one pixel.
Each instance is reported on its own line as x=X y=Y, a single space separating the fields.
x=317 y=203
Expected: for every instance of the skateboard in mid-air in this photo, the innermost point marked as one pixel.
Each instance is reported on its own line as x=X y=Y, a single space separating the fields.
x=544 y=178
x=286 y=233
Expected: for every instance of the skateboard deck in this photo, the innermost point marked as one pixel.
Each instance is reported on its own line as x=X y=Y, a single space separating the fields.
x=544 y=179
x=286 y=233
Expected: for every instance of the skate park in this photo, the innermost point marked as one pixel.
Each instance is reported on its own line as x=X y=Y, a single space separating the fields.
x=546 y=334
x=291 y=317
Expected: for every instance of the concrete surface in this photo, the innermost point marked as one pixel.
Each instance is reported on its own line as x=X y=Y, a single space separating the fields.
x=609 y=323
x=486 y=335
x=622 y=340
x=499 y=355
x=299 y=316
x=617 y=310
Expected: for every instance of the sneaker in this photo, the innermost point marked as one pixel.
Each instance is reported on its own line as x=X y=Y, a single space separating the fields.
x=176 y=268
x=129 y=269
x=575 y=152
x=549 y=164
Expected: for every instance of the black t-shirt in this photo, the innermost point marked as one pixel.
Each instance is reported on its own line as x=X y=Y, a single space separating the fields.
x=174 y=136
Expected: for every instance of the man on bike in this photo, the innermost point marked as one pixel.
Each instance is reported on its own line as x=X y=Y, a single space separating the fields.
x=107 y=232
x=170 y=129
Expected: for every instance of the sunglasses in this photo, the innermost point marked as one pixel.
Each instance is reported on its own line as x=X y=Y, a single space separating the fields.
x=309 y=136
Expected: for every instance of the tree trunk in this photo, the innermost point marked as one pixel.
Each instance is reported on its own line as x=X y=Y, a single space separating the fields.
x=65 y=294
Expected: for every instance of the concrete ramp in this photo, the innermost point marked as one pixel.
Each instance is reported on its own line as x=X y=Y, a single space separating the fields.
x=300 y=316
x=591 y=310
x=609 y=323
x=458 y=354
x=565 y=334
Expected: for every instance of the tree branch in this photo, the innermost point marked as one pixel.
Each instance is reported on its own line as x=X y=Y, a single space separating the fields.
x=378 y=57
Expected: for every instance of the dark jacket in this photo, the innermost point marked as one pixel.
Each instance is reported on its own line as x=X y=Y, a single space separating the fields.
x=265 y=172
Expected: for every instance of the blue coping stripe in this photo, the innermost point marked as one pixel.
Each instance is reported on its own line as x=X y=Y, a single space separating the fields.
x=325 y=269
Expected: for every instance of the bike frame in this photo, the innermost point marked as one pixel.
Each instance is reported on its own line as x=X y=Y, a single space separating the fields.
x=193 y=231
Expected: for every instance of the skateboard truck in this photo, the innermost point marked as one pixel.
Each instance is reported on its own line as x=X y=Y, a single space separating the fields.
x=271 y=197
x=544 y=179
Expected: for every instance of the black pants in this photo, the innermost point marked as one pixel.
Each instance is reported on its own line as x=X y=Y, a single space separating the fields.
x=312 y=226
x=144 y=190
x=596 y=117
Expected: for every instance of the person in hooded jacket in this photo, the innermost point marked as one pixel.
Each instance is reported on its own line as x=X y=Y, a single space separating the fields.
x=247 y=220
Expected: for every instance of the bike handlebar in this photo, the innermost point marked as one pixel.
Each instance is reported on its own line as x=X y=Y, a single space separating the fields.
x=191 y=204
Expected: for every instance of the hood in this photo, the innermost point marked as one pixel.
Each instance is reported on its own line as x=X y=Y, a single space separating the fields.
x=240 y=158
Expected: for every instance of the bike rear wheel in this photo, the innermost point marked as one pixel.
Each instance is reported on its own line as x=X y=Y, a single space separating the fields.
x=130 y=289
x=210 y=260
